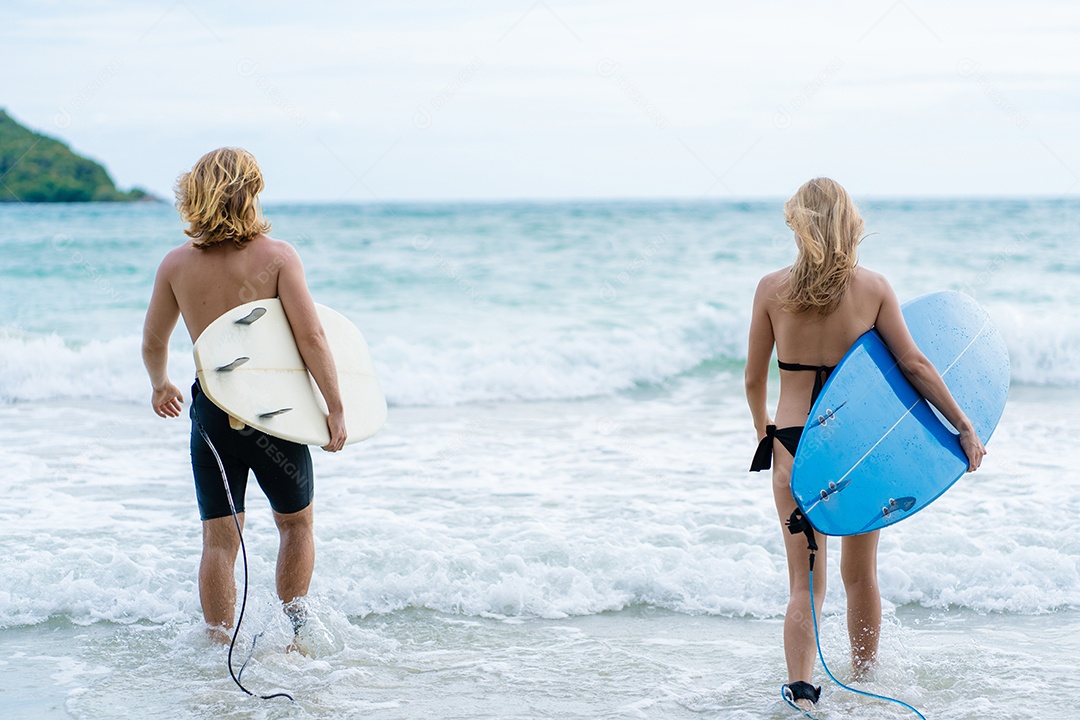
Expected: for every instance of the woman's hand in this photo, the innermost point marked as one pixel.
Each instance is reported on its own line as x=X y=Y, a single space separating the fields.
x=167 y=400
x=973 y=448
x=335 y=423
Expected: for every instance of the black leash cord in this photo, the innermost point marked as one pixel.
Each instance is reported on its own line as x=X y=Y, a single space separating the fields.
x=243 y=552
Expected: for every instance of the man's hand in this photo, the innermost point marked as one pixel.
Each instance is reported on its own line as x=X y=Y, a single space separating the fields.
x=335 y=422
x=168 y=400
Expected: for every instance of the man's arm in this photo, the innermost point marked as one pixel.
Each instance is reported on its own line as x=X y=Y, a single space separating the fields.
x=311 y=341
x=161 y=317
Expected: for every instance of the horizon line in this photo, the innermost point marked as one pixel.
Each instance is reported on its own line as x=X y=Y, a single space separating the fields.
x=599 y=199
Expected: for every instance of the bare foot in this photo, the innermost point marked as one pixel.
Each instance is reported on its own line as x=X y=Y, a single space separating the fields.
x=861 y=669
x=298 y=647
x=218 y=635
x=298 y=615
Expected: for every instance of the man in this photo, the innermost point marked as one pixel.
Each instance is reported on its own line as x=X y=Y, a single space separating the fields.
x=230 y=261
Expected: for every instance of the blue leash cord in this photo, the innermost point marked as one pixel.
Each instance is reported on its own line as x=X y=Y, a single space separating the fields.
x=817 y=639
x=798 y=523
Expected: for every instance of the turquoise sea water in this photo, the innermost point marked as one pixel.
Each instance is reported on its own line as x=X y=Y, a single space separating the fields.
x=556 y=520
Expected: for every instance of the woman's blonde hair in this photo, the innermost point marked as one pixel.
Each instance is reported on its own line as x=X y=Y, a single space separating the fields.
x=218 y=198
x=829 y=228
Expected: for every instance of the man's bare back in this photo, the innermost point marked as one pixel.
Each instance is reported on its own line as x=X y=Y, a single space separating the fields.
x=200 y=284
x=209 y=282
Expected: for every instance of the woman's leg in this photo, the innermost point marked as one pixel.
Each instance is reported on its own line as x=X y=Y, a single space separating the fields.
x=800 y=646
x=858 y=568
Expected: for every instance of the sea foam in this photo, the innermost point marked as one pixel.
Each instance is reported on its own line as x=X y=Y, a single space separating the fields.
x=572 y=363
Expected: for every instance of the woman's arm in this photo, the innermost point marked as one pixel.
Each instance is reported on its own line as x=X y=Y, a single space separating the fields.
x=922 y=374
x=758 y=352
x=161 y=317
x=311 y=341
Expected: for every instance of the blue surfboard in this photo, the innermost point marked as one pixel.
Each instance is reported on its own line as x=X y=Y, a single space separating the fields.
x=873 y=451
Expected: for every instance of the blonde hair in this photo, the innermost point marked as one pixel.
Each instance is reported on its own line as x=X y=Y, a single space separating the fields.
x=829 y=228
x=218 y=198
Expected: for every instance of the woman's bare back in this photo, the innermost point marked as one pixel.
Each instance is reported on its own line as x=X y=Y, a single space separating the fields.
x=809 y=338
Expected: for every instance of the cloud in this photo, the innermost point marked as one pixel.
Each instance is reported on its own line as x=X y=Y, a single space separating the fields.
x=426 y=100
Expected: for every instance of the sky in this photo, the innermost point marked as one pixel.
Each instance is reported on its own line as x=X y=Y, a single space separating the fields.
x=521 y=99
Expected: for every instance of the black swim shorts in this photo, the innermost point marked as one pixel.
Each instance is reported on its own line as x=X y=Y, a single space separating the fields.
x=283 y=468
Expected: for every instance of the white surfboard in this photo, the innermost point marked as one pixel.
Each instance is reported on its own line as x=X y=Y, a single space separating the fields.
x=248 y=365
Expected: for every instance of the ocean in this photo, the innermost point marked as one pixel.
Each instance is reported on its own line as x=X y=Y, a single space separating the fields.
x=556 y=520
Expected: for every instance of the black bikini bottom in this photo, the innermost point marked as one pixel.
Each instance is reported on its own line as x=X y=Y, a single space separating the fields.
x=788 y=436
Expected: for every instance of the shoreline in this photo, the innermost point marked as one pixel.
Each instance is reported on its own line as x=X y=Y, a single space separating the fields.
x=641 y=661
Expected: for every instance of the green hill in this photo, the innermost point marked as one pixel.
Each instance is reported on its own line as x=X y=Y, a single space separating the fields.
x=37 y=168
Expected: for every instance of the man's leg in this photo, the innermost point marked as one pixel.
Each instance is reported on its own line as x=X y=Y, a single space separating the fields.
x=217 y=584
x=296 y=553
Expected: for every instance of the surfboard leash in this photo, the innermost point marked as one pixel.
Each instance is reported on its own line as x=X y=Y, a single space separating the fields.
x=790 y=700
x=243 y=552
x=798 y=523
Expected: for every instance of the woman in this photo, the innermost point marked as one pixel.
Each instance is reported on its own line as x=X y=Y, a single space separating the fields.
x=812 y=312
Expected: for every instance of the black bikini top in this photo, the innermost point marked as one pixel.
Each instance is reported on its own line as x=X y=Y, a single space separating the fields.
x=822 y=374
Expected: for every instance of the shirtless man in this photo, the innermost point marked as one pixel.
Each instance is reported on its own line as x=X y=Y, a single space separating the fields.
x=228 y=262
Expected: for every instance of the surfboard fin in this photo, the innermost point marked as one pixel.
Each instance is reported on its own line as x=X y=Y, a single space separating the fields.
x=829 y=414
x=272 y=413
x=233 y=365
x=903 y=504
x=252 y=316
